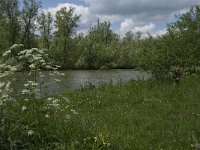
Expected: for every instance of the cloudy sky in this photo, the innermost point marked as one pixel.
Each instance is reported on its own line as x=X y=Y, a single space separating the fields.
x=125 y=15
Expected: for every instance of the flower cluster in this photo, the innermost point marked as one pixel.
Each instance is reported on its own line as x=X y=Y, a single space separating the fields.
x=5 y=87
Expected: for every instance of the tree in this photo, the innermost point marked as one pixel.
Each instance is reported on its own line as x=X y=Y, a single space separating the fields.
x=45 y=27
x=100 y=48
x=29 y=16
x=9 y=23
x=65 y=24
x=180 y=46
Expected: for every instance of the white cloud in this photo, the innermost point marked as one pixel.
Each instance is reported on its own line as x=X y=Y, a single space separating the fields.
x=128 y=25
x=128 y=15
x=86 y=19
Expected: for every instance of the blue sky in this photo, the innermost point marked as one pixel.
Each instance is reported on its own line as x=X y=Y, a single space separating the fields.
x=125 y=15
x=53 y=3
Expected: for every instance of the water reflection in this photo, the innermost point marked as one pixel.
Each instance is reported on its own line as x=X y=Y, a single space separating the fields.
x=74 y=79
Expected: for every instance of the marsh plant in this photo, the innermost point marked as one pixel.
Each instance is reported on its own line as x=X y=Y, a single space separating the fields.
x=31 y=119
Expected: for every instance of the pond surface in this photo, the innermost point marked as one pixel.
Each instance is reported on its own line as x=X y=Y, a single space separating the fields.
x=74 y=79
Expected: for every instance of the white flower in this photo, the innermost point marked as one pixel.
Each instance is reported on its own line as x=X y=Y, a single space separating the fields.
x=50 y=98
x=30 y=132
x=13 y=68
x=25 y=91
x=7 y=53
x=15 y=46
x=2 y=84
x=24 y=108
x=74 y=112
x=7 y=87
x=4 y=96
x=57 y=80
x=51 y=74
x=47 y=116
x=48 y=67
x=32 y=66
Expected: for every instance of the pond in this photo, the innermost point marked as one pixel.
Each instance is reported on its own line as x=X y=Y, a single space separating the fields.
x=75 y=79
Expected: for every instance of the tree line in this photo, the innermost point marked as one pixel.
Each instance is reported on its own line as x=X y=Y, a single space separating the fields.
x=101 y=47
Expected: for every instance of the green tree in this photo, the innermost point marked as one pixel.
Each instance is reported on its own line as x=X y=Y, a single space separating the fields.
x=100 y=48
x=62 y=47
x=180 y=46
x=45 y=22
x=28 y=17
x=9 y=23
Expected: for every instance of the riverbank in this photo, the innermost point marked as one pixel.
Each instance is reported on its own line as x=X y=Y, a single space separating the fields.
x=139 y=115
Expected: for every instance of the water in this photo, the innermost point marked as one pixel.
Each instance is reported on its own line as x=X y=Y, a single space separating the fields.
x=74 y=79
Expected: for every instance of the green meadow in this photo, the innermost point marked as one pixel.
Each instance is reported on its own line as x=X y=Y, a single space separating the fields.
x=140 y=115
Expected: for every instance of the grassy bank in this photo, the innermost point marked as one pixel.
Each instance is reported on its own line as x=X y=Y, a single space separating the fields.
x=140 y=115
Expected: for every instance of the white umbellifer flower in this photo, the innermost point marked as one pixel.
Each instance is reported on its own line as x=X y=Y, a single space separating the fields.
x=2 y=84
x=47 y=116
x=48 y=67
x=38 y=58
x=6 y=53
x=57 y=80
x=42 y=61
x=32 y=66
x=74 y=111
x=51 y=74
x=7 y=86
x=25 y=91
x=13 y=68
x=24 y=108
x=30 y=132
x=4 y=96
x=50 y=98
x=28 y=55
x=15 y=46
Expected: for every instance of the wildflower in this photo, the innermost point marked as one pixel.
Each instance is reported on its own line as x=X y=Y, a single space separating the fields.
x=30 y=132
x=47 y=116
x=57 y=80
x=32 y=66
x=95 y=139
x=4 y=96
x=66 y=99
x=2 y=84
x=50 y=98
x=74 y=112
x=24 y=108
x=51 y=74
x=25 y=91
x=6 y=53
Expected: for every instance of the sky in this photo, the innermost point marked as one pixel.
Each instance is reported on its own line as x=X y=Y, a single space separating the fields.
x=125 y=15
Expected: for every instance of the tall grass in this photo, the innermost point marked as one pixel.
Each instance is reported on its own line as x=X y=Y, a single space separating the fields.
x=139 y=115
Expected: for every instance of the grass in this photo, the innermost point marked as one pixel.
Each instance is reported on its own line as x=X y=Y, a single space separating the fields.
x=142 y=114
x=139 y=115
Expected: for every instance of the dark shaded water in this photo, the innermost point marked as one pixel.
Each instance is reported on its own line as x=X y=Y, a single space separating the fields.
x=74 y=79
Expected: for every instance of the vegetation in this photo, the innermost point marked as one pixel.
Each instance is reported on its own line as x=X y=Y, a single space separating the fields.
x=150 y=114
x=100 y=48
x=140 y=115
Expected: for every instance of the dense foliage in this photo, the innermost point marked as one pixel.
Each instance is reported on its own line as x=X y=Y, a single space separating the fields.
x=100 y=48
